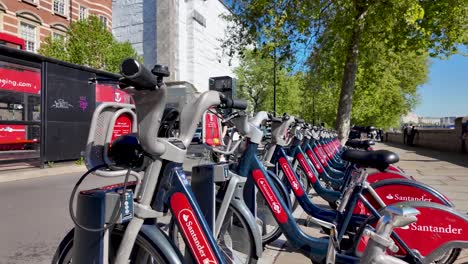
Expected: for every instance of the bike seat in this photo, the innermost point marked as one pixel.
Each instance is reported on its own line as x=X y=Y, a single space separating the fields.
x=360 y=144
x=276 y=119
x=378 y=159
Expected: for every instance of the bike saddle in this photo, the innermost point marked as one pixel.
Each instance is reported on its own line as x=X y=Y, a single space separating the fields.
x=360 y=144
x=378 y=159
x=276 y=119
x=126 y=152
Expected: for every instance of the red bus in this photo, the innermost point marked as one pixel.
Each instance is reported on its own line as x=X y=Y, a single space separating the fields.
x=12 y=41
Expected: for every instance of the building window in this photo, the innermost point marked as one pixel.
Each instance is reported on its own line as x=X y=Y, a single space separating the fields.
x=83 y=12
x=34 y=2
x=28 y=33
x=59 y=7
x=103 y=20
x=56 y=35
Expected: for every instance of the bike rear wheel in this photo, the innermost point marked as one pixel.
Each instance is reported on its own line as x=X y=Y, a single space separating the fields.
x=143 y=252
x=235 y=238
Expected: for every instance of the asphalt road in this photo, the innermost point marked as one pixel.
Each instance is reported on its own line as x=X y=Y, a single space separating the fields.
x=34 y=217
x=34 y=213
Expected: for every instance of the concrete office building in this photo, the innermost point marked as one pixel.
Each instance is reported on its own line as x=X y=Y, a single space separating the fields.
x=183 y=34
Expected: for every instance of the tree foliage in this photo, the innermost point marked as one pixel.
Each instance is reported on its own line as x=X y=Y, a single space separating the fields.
x=89 y=43
x=350 y=36
x=255 y=84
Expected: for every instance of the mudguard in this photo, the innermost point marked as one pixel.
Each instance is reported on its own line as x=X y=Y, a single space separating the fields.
x=251 y=221
x=160 y=240
x=379 y=176
x=400 y=190
x=442 y=227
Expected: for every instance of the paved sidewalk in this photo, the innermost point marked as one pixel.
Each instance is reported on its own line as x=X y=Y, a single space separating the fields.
x=447 y=172
x=32 y=173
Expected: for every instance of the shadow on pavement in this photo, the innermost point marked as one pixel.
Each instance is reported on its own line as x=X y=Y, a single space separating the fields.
x=455 y=158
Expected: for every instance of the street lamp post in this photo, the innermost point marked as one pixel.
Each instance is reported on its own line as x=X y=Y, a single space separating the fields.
x=274 y=81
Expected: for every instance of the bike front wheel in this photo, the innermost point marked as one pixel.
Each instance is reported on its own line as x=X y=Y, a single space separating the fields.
x=143 y=252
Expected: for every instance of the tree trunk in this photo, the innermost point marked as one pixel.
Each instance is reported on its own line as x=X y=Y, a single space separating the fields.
x=343 y=117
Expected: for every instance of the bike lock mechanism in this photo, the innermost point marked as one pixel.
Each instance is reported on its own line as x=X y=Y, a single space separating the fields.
x=97 y=211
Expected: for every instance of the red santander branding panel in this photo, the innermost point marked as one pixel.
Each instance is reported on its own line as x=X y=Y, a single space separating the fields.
x=212 y=129
x=122 y=126
x=378 y=176
x=306 y=168
x=290 y=176
x=191 y=229
x=314 y=161
x=20 y=80
x=320 y=157
x=396 y=193
x=269 y=196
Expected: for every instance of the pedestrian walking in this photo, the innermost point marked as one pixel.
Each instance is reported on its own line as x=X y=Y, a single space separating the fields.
x=405 y=134
x=412 y=135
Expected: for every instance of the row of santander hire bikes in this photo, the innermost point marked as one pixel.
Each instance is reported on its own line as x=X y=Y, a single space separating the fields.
x=375 y=213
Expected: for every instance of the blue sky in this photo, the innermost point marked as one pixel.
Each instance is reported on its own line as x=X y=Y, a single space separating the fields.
x=446 y=92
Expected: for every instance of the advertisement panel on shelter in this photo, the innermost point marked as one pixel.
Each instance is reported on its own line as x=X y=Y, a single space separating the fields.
x=20 y=89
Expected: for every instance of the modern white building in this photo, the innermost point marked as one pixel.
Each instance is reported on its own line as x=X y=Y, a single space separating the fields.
x=183 y=34
x=429 y=121
x=410 y=118
x=447 y=121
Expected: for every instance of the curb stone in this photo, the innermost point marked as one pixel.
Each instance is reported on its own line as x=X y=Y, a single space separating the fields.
x=33 y=173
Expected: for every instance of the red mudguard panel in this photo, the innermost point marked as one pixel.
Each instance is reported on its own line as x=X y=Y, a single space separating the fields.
x=378 y=176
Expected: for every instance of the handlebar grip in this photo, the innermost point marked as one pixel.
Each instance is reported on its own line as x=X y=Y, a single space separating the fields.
x=238 y=104
x=138 y=75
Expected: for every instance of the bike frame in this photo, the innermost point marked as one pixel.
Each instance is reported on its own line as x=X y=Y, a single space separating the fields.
x=251 y=167
x=332 y=218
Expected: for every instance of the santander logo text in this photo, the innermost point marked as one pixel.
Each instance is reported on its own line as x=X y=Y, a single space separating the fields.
x=398 y=197
x=437 y=229
x=269 y=196
x=314 y=161
x=191 y=229
x=306 y=168
x=290 y=176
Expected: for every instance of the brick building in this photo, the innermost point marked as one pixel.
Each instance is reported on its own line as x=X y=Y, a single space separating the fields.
x=34 y=20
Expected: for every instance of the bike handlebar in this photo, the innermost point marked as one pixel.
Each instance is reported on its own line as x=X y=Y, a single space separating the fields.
x=138 y=75
x=238 y=104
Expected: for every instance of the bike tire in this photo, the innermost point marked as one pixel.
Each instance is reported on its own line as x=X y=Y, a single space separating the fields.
x=245 y=241
x=64 y=252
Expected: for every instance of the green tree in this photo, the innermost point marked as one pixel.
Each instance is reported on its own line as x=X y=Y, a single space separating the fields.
x=386 y=84
x=89 y=43
x=419 y=26
x=255 y=84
